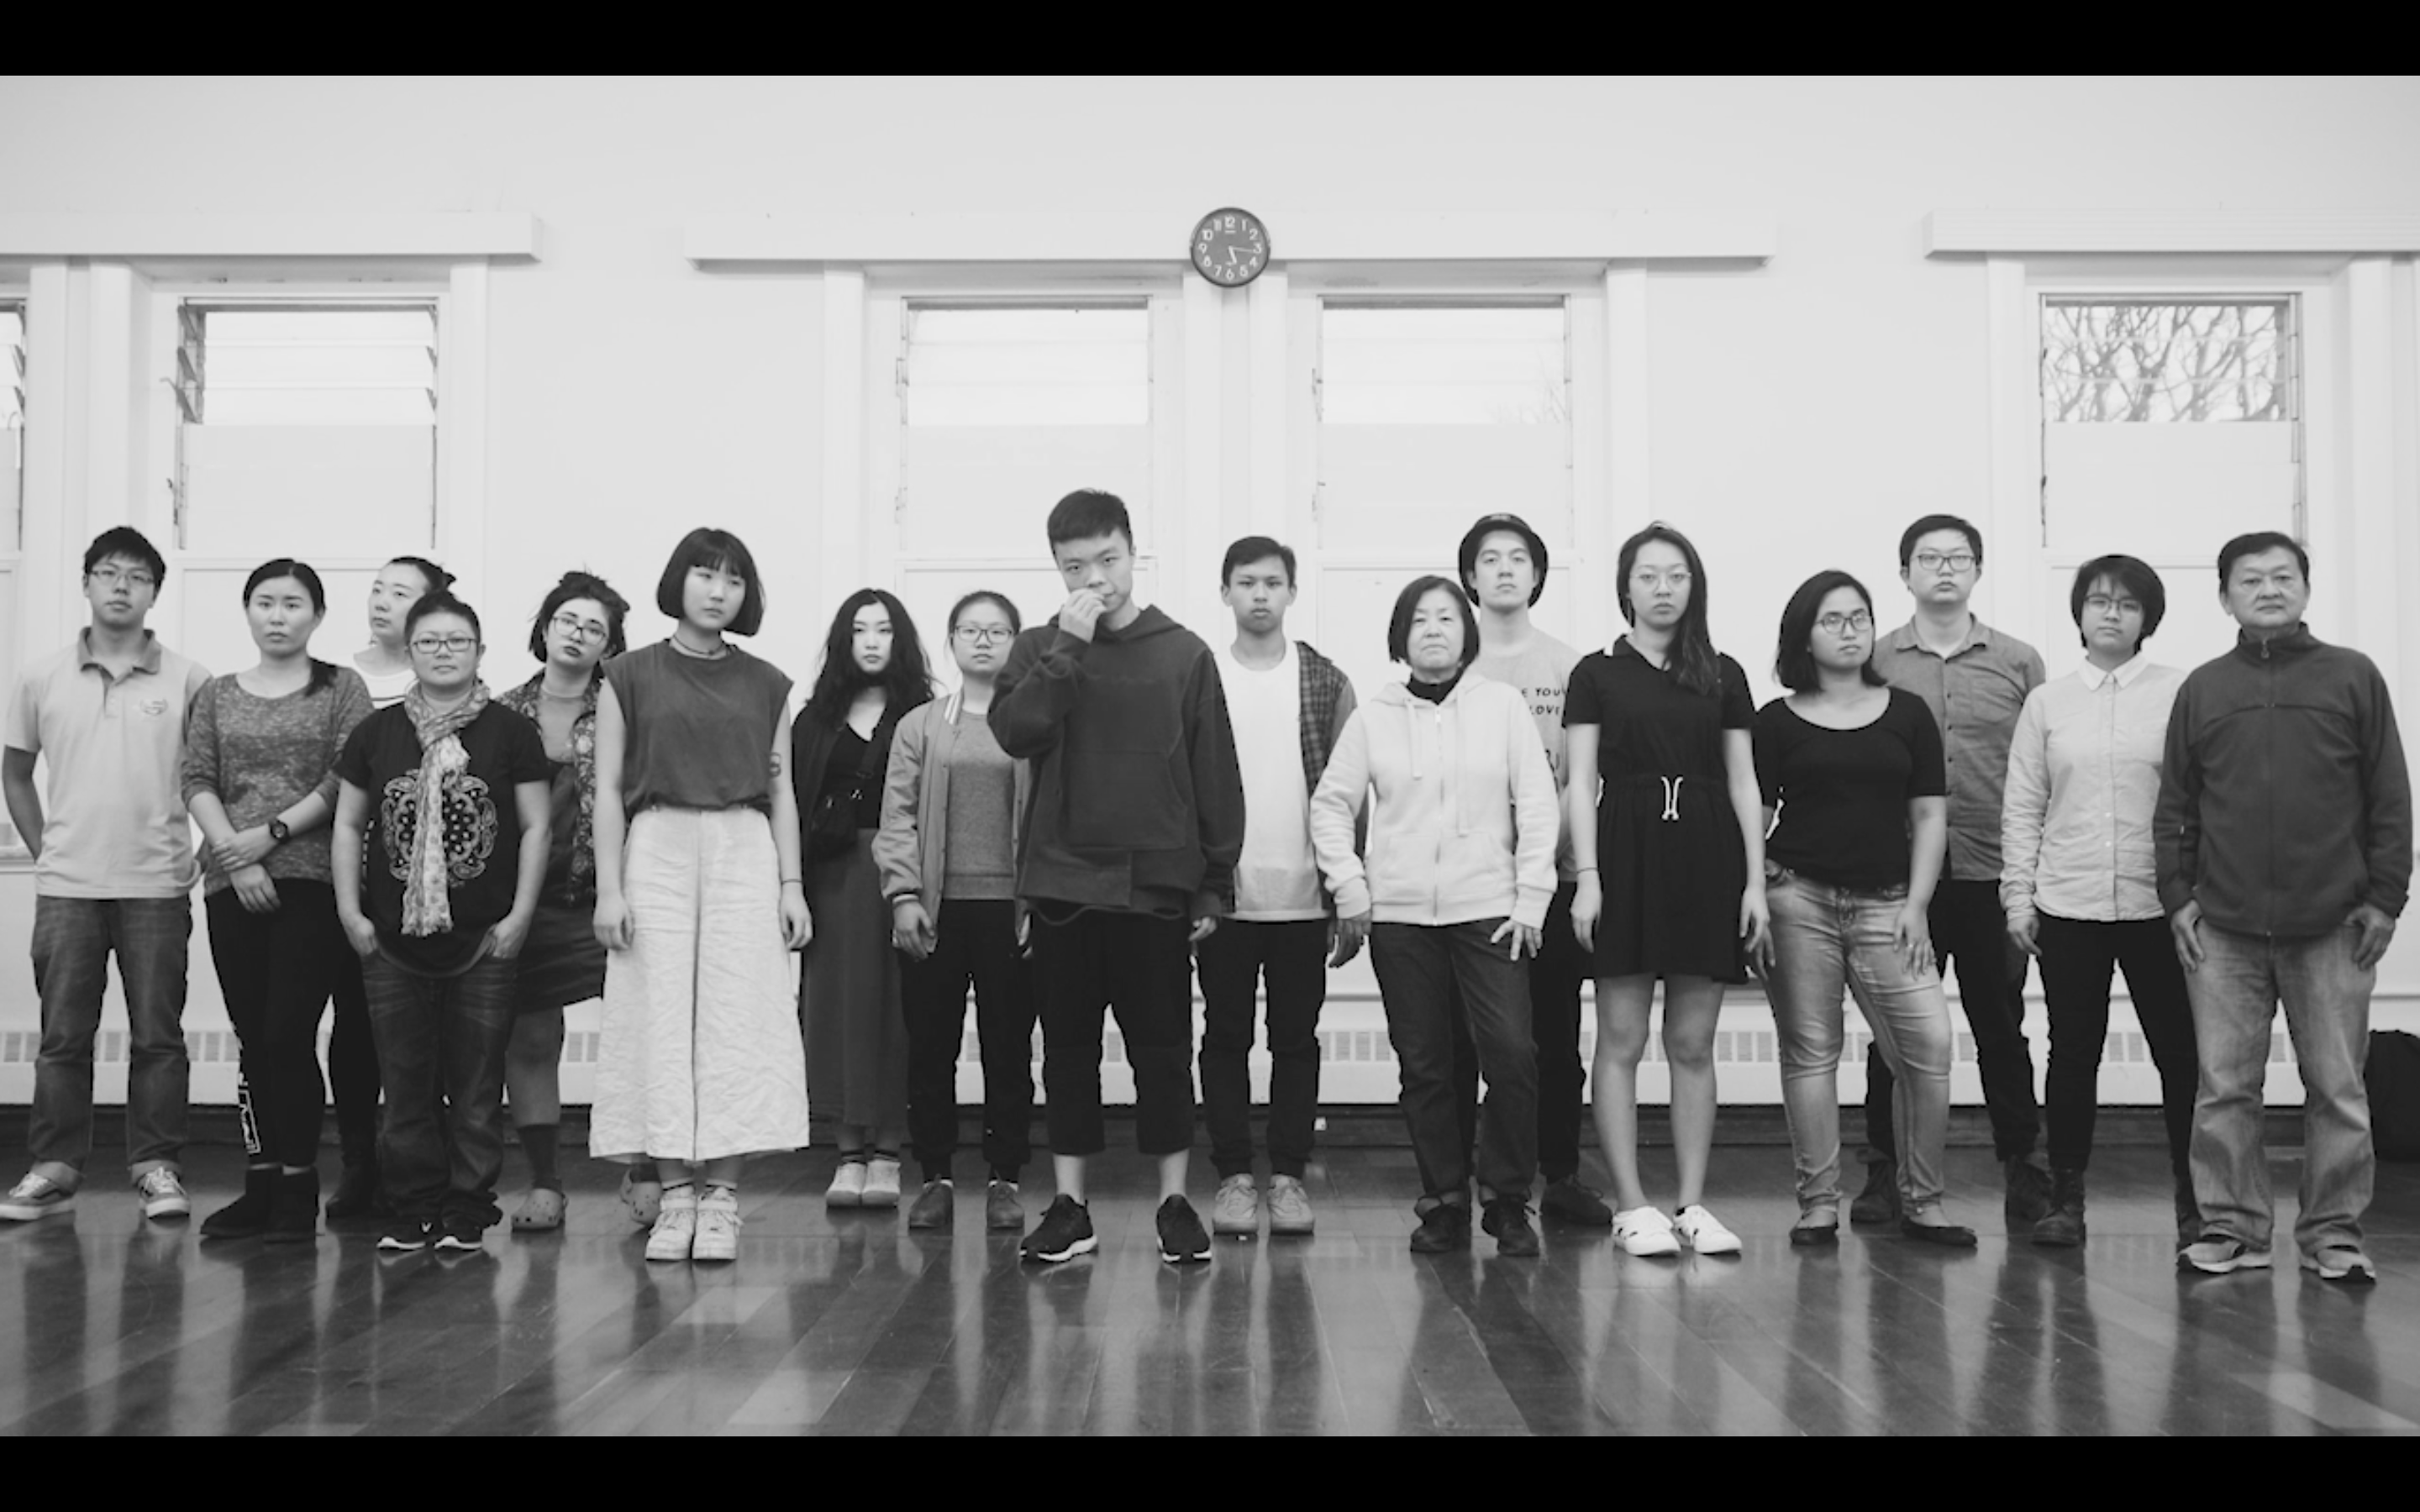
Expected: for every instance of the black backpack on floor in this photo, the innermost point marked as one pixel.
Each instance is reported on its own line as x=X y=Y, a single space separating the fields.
x=2393 y=1076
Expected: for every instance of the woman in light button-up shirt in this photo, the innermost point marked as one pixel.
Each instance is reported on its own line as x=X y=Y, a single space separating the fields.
x=2076 y=879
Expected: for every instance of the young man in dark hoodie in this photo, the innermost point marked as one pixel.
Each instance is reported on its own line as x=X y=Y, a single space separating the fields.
x=1288 y=704
x=1131 y=840
x=2283 y=840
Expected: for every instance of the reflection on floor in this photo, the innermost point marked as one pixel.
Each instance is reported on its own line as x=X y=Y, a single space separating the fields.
x=845 y=1323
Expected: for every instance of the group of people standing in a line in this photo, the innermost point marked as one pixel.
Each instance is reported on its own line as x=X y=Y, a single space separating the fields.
x=1105 y=806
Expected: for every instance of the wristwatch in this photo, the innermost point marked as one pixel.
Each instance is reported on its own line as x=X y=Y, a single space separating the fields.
x=279 y=832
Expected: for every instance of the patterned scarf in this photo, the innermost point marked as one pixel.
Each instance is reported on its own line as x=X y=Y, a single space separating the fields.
x=427 y=908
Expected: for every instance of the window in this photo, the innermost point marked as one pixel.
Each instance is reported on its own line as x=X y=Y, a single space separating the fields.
x=308 y=429
x=12 y=496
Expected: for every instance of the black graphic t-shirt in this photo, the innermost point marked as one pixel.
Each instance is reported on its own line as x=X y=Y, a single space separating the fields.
x=483 y=831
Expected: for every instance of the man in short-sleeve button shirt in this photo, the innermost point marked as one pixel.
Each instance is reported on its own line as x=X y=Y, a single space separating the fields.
x=113 y=873
x=1974 y=680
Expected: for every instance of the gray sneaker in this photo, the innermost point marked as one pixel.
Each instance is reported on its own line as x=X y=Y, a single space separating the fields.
x=1235 y=1211
x=1289 y=1207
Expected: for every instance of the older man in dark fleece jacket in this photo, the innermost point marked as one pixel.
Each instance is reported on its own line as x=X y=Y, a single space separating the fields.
x=2284 y=839
x=1131 y=840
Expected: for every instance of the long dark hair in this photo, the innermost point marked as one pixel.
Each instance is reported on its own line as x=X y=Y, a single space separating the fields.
x=323 y=674
x=906 y=683
x=1694 y=662
x=1793 y=659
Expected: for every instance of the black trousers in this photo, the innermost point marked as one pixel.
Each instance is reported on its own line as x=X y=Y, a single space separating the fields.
x=2077 y=959
x=353 y=1064
x=1291 y=957
x=1140 y=966
x=276 y=970
x=1554 y=977
x=1421 y=969
x=1970 y=932
x=975 y=946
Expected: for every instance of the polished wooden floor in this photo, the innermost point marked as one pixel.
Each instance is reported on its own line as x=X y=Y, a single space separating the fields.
x=845 y=1323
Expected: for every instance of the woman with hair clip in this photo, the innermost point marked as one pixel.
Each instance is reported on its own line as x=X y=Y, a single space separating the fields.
x=874 y=673
x=1855 y=769
x=259 y=780
x=578 y=625
x=385 y=669
x=951 y=809
x=1671 y=864
x=699 y=901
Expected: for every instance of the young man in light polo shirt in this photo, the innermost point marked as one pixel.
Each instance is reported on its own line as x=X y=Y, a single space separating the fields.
x=1288 y=704
x=113 y=871
x=1974 y=679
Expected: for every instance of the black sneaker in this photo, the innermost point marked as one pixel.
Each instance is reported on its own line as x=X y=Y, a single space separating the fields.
x=1508 y=1219
x=1443 y=1230
x=459 y=1236
x=1182 y=1241
x=1568 y=1202
x=404 y=1235
x=1064 y=1233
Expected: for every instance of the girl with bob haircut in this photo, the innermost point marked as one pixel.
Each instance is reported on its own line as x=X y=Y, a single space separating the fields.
x=578 y=625
x=1671 y=867
x=1453 y=896
x=1855 y=770
x=699 y=897
x=951 y=809
x=874 y=672
x=260 y=781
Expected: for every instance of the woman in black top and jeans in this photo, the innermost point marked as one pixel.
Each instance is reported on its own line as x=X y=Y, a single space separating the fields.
x=1855 y=769
x=874 y=672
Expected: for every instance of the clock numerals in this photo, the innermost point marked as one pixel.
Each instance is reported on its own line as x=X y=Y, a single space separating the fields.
x=1229 y=247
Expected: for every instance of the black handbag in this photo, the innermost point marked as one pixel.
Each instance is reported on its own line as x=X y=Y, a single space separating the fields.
x=832 y=829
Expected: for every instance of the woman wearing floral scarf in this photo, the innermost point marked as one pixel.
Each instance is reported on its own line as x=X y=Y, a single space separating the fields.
x=576 y=627
x=445 y=795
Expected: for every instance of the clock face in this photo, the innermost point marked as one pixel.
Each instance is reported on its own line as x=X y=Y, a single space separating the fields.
x=1231 y=248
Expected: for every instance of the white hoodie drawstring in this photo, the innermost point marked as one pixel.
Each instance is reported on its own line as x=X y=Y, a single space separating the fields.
x=1671 y=796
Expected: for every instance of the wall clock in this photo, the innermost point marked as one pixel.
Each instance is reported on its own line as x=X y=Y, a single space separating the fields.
x=1231 y=247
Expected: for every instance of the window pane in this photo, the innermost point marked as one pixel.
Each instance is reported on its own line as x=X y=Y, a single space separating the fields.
x=12 y=425
x=2126 y=361
x=319 y=367
x=1017 y=366
x=1495 y=365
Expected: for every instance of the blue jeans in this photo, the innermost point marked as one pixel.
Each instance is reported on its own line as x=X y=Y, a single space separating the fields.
x=440 y=1049
x=72 y=941
x=2242 y=980
x=1827 y=938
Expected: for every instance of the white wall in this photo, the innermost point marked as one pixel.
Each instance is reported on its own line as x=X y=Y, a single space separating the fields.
x=1800 y=411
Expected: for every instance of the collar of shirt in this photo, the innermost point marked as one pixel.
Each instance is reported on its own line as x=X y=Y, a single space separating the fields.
x=147 y=662
x=2093 y=677
x=1978 y=634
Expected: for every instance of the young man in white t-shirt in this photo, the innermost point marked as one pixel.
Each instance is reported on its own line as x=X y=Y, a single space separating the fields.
x=1287 y=704
x=1503 y=564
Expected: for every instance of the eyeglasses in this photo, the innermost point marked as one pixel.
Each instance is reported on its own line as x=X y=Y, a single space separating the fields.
x=123 y=577
x=1935 y=560
x=1648 y=582
x=429 y=645
x=2103 y=604
x=984 y=635
x=1835 y=624
x=585 y=629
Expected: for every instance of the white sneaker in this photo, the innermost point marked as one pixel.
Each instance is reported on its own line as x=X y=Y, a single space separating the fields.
x=848 y=1189
x=718 y=1226
x=1645 y=1231
x=34 y=1197
x=641 y=1199
x=881 y=1182
x=163 y=1196
x=1705 y=1233
x=676 y=1225
x=1235 y=1211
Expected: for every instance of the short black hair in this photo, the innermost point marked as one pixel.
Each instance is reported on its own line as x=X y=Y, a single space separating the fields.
x=579 y=583
x=128 y=542
x=719 y=551
x=1399 y=624
x=435 y=578
x=1087 y=513
x=988 y=596
x=2135 y=577
x=1253 y=548
x=1793 y=659
x=440 y=602
x=2250 y=545
x=1930 y=523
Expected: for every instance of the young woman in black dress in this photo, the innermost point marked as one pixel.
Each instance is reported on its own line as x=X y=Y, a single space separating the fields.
x=1671 y=862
